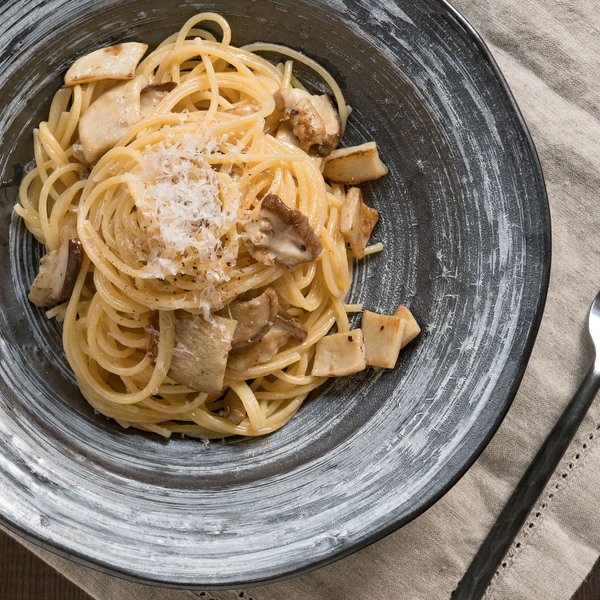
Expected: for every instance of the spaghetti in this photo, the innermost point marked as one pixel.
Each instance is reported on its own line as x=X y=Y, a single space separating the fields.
x=160 y=215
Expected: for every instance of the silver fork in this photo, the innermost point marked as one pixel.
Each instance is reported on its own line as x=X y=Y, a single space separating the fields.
x=498 y=541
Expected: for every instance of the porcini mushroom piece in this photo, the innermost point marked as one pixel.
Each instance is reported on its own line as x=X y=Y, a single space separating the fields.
x=286 y=135
x=201 y=351
x=106 y=120
x=411 y=328
x=355 y=164
x=152 y=94
x=327 y=110
x=339 y=354
x=282 y=234
x=112 y=62
x=57 y=274
x=254 y=318
x=356 y=222
x=235 y=410
x=383 y=338
x=333 y=124
x=282 y=331
x=315 y=120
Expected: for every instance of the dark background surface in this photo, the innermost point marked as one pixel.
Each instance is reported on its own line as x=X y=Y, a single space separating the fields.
x=23 y=576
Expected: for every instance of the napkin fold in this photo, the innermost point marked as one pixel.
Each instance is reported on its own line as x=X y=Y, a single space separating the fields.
x=548 y=51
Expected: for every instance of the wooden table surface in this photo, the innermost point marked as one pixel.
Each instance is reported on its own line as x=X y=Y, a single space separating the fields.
x=23 y=576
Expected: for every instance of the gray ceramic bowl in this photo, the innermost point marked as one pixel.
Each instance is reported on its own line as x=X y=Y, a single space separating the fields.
x=467 y=246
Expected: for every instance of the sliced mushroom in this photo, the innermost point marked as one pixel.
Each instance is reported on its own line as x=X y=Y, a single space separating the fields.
x=107 y=119
x=314 y=119
x=201 y=351
x=282 y=234
x=353 y=165
x=356 y=222
x=282 y=331
x=339 y=354
x=235 y=410
x=411 y=328
x=152 y=94
x=83 y=169
x=57 y=274
x=383 y=336
x=254 y=318
x=333 y=124
x=113 y=62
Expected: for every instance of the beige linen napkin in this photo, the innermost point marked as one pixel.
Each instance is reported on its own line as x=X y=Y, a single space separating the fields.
x=548 y=51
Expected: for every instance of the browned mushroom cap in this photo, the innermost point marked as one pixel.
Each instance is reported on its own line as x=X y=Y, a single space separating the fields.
x=314 y=119
x=254 y=318
x=201 y=351
x=152 y=94
x=58 y=272
x=282 y=331
x=112 y=62
x=295 y=329
x=356 y=222
x=234 y=408
x=282 y=234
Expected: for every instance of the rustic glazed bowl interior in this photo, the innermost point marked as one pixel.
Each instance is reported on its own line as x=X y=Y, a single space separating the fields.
x=466 y=229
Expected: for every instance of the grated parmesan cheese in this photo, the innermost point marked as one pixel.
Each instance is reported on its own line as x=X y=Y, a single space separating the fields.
x=179 y=196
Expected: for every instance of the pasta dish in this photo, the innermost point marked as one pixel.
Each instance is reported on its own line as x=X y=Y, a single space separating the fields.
x=200 y=225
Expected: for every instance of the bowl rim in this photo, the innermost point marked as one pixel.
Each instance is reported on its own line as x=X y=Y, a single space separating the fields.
x=473 y=455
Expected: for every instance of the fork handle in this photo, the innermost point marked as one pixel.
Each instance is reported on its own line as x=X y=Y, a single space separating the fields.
x=474 y=582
